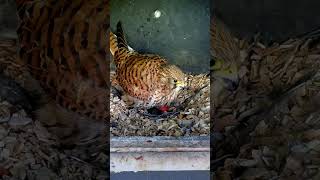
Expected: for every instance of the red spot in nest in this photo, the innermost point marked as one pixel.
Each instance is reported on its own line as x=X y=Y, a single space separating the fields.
x=139 y=158
x=164 y=108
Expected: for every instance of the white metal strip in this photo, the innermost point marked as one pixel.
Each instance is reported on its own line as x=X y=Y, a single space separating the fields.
x=159 y=161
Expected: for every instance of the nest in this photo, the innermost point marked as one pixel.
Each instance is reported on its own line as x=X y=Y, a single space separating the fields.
x=192 y=120
x=27 y=151
x=273 y=117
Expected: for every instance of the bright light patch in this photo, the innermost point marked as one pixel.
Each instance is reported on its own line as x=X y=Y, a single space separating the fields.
x=157 y=14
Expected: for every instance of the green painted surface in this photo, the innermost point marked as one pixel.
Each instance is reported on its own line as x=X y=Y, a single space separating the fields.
x=180 y=34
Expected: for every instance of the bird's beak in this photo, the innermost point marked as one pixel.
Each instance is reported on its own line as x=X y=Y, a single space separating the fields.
x=180 y=84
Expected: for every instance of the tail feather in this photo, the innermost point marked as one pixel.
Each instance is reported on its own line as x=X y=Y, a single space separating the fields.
x=113 y=43
x=223 y=45
x=120 y=37
x=123 y=49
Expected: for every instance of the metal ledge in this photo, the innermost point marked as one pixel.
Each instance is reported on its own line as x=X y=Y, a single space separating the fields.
x=159 y=153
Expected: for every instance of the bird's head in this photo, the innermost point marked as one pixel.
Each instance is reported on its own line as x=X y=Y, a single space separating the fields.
x=225 y=72
x=174 y=76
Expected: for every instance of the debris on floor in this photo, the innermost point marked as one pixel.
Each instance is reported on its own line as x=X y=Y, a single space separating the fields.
x=276 y=114
x=192 y=120
x=27 y=151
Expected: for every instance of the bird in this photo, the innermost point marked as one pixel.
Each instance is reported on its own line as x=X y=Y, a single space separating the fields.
x=225 y=54
x=63 y=45
x=225 y=62
x=148 y=80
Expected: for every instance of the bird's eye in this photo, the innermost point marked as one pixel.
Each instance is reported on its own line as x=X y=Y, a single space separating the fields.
x=175 y=81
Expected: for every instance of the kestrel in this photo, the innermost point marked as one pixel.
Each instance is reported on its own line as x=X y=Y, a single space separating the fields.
x=147 y=79
x=225 y=54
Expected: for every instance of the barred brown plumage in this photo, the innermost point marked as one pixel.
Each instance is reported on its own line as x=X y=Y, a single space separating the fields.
x=64 y=45
x=148 y=79
x=113 y=43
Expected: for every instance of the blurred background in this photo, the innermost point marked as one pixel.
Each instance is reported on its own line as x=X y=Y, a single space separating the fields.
x=176 y=30
x=277 y=19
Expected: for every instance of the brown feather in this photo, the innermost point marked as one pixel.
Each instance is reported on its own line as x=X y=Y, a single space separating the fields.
x=67 y=54
x=223 y=44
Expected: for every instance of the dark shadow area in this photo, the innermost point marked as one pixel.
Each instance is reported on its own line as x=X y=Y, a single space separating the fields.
x=277 y=19
x=8 y=19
